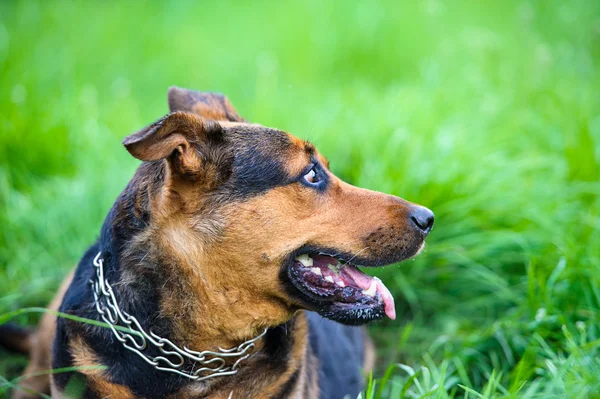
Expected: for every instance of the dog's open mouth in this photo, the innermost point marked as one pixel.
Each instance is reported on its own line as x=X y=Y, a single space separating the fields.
x=327 y=279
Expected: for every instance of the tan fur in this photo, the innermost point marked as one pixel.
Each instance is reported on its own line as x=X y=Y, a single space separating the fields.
x=41 y=349
x=239 y=294
x=210 y=105
x=265 y=385
x=311 y=375
x=221 y=260
x=91 y=366
x=297 y=359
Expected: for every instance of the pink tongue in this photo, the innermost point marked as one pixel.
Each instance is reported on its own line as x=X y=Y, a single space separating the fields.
x=388 y=300
x=364 y=282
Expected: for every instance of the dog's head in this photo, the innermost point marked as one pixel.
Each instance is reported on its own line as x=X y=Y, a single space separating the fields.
x=254 y=218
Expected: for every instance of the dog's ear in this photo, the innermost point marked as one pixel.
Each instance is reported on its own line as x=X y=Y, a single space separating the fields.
x=190 y=143
x=208 y=105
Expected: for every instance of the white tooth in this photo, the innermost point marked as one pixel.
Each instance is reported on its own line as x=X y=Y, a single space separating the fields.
x=306 y=260
x=329 y=278
x=316 y=270
x=372 y=289
x=340 y=283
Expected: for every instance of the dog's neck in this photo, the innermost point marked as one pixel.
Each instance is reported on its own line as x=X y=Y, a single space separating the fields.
x=277 y=355
x=185 y=305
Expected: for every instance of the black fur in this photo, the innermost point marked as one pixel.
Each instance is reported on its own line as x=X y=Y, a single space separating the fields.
x=258 y=164
x=340 y=350
x=256 y=168
x=288 y=387
x=14 y=337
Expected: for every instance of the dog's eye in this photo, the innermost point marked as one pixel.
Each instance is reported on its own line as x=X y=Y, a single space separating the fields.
x=311 y=177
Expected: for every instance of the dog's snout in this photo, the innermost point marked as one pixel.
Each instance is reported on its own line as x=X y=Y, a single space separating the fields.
x=422 y=218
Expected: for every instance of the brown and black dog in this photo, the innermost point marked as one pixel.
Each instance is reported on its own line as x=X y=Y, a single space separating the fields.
x=228 y=232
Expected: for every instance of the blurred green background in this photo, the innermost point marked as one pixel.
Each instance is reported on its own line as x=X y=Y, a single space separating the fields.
x=487 y=112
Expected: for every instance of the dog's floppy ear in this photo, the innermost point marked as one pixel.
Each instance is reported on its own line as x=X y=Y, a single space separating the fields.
x=190 y=143
x=208 y=105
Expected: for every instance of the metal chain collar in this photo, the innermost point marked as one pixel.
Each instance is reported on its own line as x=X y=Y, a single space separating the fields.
x=206 y=364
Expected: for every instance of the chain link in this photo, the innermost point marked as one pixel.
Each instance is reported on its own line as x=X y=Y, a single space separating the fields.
x=206 y=364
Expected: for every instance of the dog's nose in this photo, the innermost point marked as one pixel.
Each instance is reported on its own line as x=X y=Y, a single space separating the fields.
x=422 y=218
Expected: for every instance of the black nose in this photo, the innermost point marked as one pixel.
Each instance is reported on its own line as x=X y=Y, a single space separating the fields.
x=422 y=218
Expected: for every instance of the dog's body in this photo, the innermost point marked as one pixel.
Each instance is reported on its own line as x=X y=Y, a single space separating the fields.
x=228 y=230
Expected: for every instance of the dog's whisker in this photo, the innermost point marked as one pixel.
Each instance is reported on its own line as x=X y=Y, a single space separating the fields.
x=204 y=233
x=358 y=253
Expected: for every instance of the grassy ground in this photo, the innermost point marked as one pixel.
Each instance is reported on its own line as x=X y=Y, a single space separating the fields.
x=488 y=113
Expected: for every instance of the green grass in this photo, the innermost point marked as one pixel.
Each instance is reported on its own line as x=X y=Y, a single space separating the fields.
x=486 y=112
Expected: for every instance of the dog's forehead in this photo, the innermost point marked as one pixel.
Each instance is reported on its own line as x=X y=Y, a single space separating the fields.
x=265 y=157
x=269 y=143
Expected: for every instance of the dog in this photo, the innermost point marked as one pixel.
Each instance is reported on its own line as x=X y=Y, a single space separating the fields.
x=225 y=269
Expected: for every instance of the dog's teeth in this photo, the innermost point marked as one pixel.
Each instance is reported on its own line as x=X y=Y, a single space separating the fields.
x=329 y=278
x=334 y=268
x=372 y=289
x=306 y=260
x=340 y=283
x=316 y=270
